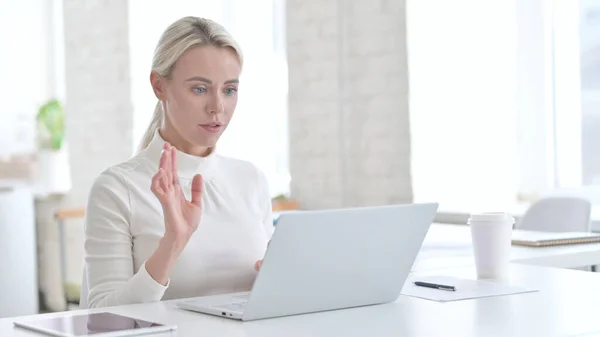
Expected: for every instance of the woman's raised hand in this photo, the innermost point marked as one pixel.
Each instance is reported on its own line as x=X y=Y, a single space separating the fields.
x=182 y=217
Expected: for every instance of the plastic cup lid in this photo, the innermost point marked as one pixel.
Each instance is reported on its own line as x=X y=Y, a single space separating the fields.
x=491 y=217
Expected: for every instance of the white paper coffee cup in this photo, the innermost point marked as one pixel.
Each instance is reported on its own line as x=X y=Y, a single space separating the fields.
x=491 y=238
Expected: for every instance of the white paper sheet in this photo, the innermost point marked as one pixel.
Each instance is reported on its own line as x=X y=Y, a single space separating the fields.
x=465 y=289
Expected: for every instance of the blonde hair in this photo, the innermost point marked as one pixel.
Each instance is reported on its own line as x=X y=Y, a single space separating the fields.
x=182 y=35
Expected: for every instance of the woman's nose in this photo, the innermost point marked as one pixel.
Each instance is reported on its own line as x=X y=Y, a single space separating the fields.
x=215 y=105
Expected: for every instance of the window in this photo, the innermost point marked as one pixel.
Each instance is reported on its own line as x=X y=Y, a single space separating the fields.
x=258 y=131
x=577 y=91
x=574 y=97
x=463 y=105
x=505 y=101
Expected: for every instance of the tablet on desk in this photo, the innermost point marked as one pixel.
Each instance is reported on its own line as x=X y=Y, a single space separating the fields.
x=102 y=324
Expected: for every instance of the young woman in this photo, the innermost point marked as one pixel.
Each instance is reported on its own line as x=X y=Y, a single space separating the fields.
x=177 y=219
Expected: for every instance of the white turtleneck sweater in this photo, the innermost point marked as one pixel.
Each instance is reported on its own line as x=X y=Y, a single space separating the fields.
x=124 y=223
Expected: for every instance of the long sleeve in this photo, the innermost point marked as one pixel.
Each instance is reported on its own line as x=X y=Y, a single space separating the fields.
x=108 y=248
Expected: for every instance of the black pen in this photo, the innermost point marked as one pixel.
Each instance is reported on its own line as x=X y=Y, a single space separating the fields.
x=435 y=286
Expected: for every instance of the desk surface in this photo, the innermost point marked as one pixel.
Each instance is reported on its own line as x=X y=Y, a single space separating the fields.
x=450 y=246
x=566 y=305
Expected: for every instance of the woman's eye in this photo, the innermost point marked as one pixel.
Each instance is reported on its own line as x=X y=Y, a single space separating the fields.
x=230 y=91
x=200 y=90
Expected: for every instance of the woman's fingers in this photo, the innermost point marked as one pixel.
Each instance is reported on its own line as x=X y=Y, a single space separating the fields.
x=169 y=163
x=164 y=181
x=163 y=160
x=174 y=166
x=257 y=265
x=197 y=190
x=156 y=186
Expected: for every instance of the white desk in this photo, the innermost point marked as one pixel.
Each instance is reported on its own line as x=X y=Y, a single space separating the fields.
x=450 y=246
x=567 y=305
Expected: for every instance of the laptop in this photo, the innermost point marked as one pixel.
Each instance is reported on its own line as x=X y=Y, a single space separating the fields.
x=329 y=259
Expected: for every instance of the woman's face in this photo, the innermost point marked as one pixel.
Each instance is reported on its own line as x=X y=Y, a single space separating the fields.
x=201 y=95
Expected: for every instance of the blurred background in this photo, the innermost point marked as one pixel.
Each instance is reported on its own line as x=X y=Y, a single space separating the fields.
x=480 y=106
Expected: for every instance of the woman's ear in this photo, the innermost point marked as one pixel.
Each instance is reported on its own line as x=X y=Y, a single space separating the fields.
x=158 y=85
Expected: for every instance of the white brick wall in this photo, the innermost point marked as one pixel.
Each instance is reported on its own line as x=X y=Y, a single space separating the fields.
x=358 y=153
x=99 y=114
x=98 y=103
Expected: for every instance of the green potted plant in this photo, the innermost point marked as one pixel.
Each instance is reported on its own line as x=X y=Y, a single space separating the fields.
x=51 y=126
x=54 y=176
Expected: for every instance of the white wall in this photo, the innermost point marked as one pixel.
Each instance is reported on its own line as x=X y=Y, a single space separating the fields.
x=348 y=103
x=98 y=100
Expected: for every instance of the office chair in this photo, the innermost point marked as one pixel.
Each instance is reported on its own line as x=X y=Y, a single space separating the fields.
x=558 y=214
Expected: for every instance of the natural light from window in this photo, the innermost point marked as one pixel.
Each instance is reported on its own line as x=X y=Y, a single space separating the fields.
x=462 y=103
